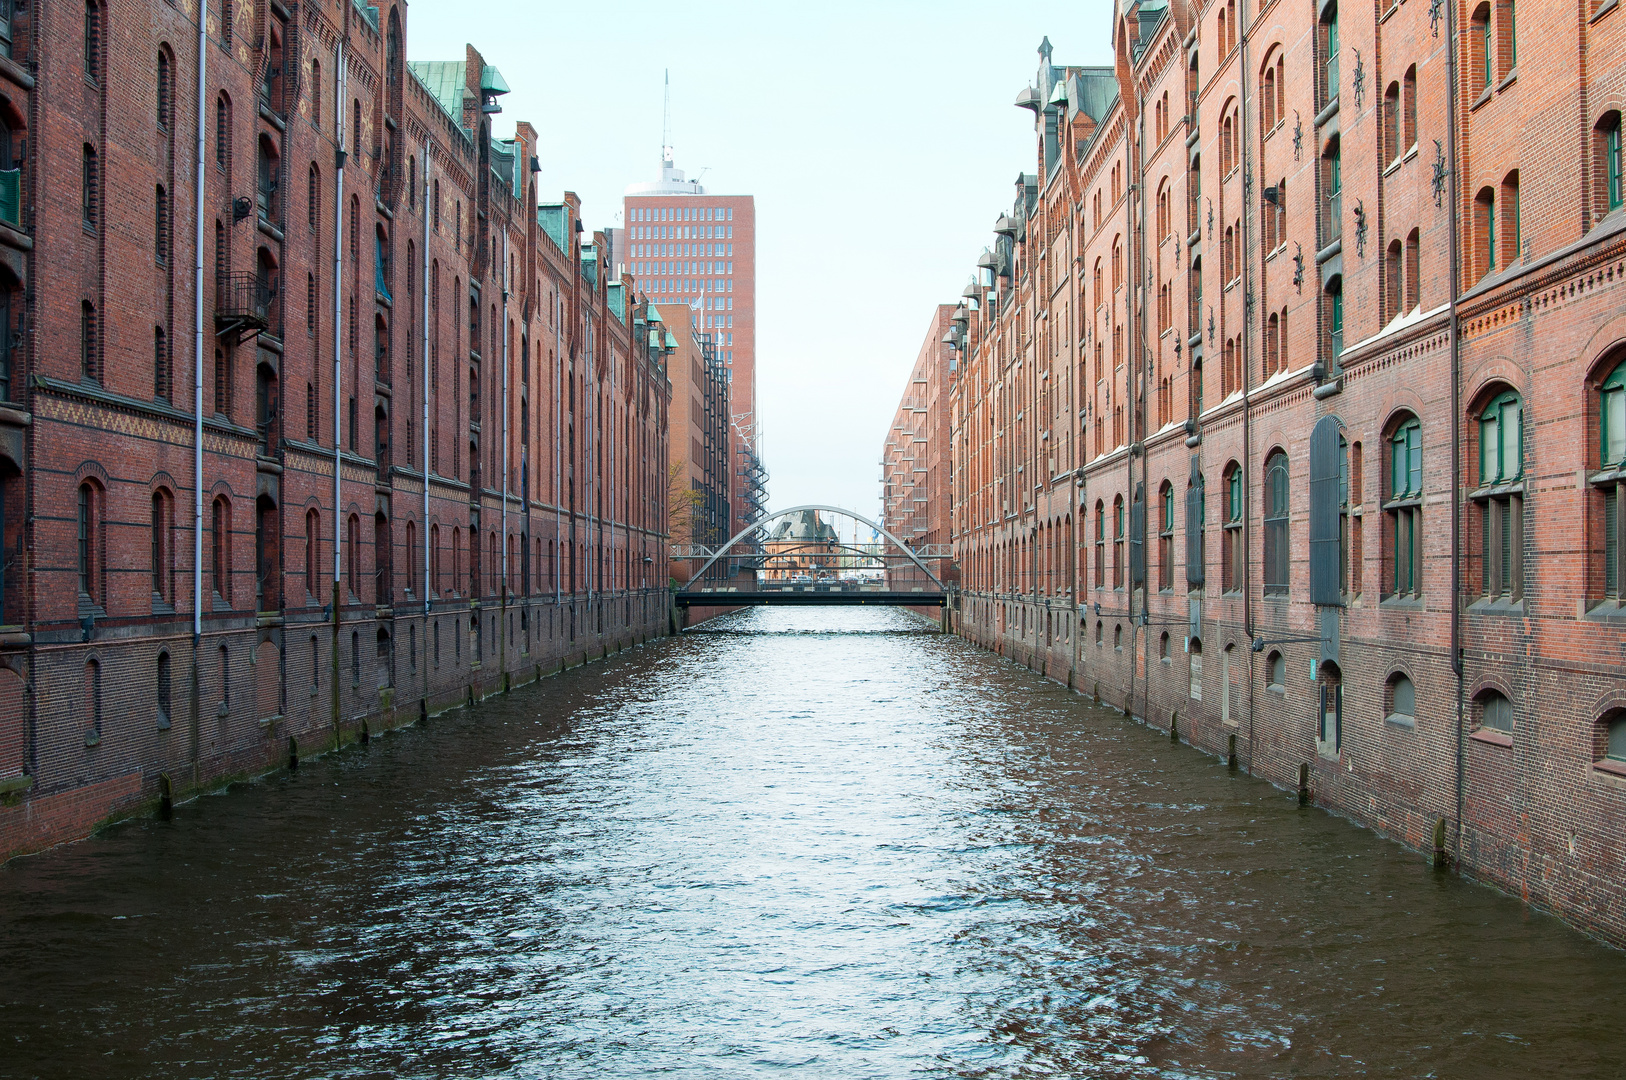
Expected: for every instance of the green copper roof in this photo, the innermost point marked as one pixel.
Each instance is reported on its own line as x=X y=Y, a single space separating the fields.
x=491 y=81
x=554 y=221
x=446 y=81
x=616 y=295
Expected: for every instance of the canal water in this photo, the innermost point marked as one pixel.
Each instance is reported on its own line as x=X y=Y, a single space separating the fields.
x=820 y=842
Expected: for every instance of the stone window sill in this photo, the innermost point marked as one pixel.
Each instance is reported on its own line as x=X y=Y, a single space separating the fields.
x=1614 y=768
x=1406 y=723
x=1491 y=737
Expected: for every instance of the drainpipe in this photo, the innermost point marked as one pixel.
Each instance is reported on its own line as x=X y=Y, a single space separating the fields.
x=1456 y=413
x=558 y=443
x=198 y=348
x=1247 y=384
x=502 y=595
x=425 y=277
x=338 y=371
x=1135 y=379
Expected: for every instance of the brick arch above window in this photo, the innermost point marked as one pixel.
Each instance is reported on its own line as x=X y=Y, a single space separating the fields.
x=93 y=471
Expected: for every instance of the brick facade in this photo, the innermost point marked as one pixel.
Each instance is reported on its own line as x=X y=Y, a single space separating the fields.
x=433 y=430
x=1219 y=388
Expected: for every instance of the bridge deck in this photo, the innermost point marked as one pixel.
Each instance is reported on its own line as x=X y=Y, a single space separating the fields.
x=797 y=598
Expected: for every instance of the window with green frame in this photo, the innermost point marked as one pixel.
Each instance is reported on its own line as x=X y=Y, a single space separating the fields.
x=1335 y=322
x=1501 y=440
x=1611 y=149
x=1501 y=463
x=1404 y=508
x=1165 y=541
x=1406 y=460
x=1231 y=539
x=1118 y=543
x=1611 y=486
x=1612 y=418
x=1101 y=544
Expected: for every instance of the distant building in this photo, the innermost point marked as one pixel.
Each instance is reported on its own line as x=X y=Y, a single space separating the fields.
x=802 y=545
x=916 y=464
x=700 y=506
x=684 y=245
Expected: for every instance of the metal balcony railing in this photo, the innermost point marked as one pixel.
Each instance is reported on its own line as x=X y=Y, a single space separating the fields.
x=244 y=304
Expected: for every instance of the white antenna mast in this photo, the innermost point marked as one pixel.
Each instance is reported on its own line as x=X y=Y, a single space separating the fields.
x=666 y=121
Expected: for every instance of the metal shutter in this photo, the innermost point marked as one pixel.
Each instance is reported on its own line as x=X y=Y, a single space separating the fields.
x=1324 y=534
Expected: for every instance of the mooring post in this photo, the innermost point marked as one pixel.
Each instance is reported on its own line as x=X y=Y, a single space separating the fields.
x=1440 y=860
x=1230 y=753
x=1304 y=783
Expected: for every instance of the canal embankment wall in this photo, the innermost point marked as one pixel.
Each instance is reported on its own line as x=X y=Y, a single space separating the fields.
x=1519 y=829
x=255 y=699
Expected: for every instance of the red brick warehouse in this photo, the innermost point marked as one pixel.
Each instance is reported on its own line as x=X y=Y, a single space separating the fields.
x=1306 y=332
x=268 y=276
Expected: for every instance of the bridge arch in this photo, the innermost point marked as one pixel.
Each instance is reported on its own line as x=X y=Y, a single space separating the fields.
x=749 y=529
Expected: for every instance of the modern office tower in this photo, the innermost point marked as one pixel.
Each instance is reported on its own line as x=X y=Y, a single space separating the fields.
x=685 y=245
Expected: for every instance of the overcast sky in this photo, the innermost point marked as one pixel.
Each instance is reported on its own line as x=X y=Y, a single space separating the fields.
x=878 y=138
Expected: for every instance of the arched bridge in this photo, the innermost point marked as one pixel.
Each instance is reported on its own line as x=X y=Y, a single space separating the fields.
x=794 y=558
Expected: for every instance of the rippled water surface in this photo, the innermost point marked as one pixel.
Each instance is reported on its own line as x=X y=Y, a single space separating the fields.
x=820 y=842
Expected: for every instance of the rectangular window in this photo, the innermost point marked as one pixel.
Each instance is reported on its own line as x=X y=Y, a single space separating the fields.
x=1502 y=520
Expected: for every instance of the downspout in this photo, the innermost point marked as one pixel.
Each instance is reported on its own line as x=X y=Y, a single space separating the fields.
x=428 y=587
x=338 y=371
x=1456 y=413
x=197 y=378
x=1247 y=384
x=502 y=596
x=558 y=444
x=1135 y=373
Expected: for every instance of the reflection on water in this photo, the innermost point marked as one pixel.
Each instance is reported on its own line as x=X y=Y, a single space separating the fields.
x=822 y=840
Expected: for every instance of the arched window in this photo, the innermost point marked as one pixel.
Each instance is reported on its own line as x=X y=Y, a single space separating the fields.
x=1494 y=712
x=160 y=364
x=1194 y=651
x=1232 y=571
x=1484 y=231
x=89 y=192
x=1330 y=736
x=1501 y=440
x=353 y=556
x=1276 y=672
x=165 y=691
x=313 y=553
x=162 y=547
x=1276 y=521
x=316 y=94
x=1612 y=739
x=93 y=702
x=1100 y=543
x=1402 y=700
x=93 y=39
x=1165 y=538
x=1391 y=122
x=90 y=540
x=220 y=549
x=223 y=134
x=1267 y=97
x=1404 y=508
x=166 y=92
x=1610 y=180
x=1118 y=542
